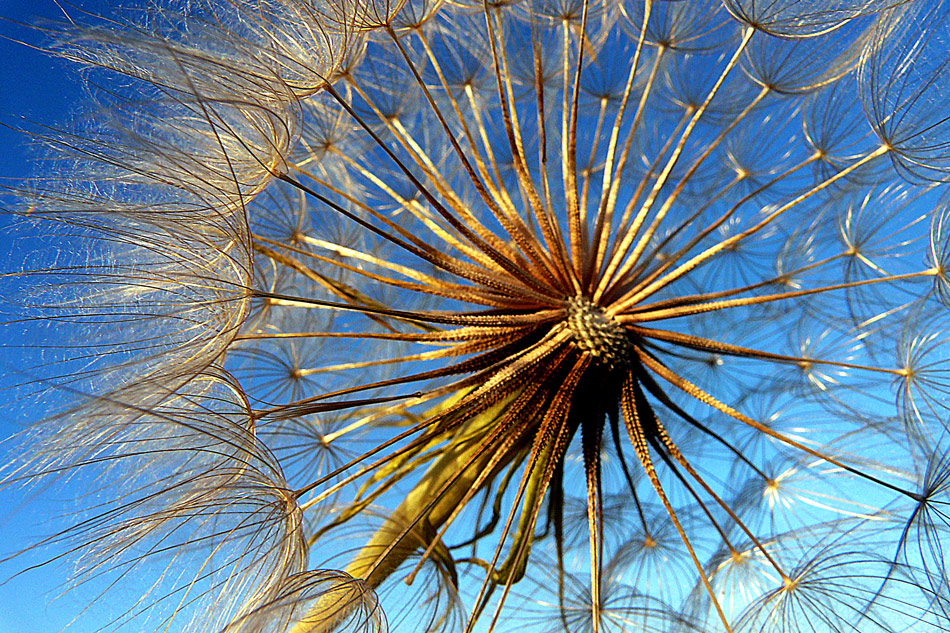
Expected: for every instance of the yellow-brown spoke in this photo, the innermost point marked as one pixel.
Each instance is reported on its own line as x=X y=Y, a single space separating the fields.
x=586 y=173
x=614 y=426
x=707 y=230
x=436 y=179
x=608 y=250
x=353 y=297
x=351 y=253
x=537 y=55
x=634 y=258
x=627 y=241
x=654 y=433
x=470 y=294
x=664 y=398
x=652 y=257
x=509 y=220
x=418 y=247
x=647 y=313
x=684 y=268
x=489 y=386
x=592 y=437
x=434 y=337
x=485 y=318
x=709 y=345
x=496 y=189
x=410 y=205
x=507 y=429
x=461 y=349
x=633 y=423
x=610 y=185
x=414 y=245
x=663 y=444
x=695 y=392
x=693 y=299
x=569 y=104
x=544 y=216
x=547 y=453
x=500 y=366
x=476 y=237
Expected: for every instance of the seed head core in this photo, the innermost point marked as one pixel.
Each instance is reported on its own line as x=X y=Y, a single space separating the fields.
x=597 y=334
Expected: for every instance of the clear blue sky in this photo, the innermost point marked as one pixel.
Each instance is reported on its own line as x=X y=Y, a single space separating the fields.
x=40 y=89
x=32 y=85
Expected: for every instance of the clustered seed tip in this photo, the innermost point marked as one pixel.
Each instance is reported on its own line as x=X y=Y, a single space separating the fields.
x=597 y=334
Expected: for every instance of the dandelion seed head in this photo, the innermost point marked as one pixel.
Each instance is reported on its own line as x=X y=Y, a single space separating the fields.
x=580 y=314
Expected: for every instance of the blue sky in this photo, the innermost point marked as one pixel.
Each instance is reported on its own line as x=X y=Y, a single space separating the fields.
x=35 y=87
x=39 y=89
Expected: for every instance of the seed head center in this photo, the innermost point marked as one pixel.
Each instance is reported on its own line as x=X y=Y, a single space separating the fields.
x=597 y=334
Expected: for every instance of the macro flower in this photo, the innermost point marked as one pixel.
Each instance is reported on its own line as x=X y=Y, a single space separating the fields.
x=575 y=315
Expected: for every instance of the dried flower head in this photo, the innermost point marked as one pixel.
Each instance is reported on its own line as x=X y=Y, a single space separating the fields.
x=586 y=315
